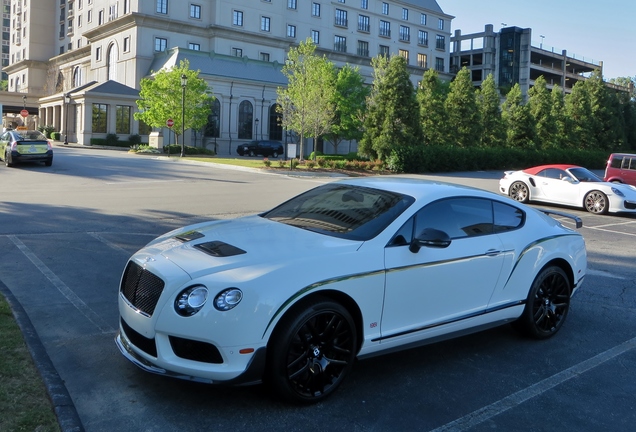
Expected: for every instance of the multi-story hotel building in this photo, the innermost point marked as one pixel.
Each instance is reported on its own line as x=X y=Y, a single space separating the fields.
x=82 y=60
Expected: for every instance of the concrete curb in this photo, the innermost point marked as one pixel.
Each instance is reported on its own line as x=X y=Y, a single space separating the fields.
x=67 y=415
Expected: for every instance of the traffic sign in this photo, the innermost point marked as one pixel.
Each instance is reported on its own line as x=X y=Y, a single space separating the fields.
x=24 y=113
x=169 y=123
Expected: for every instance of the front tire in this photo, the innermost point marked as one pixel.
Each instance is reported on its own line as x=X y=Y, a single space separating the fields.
x=519 y=192
x=596 y=202
x=312 y=351
x=252 y=153
x=547 y=304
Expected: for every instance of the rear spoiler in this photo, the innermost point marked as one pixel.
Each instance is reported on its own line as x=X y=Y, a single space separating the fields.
x=577 y=220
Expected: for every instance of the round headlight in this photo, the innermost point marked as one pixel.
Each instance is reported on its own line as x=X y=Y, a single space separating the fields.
x=227 y=299
x=191 y=300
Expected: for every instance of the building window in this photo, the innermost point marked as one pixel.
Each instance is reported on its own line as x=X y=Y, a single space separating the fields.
x=291 y=31
x=265 y=21
x=421 y=60
x=440 y=42
x=89 y=16
x=405 y=54
x=264 y=56
x=162 y=6
x=291 y=4
x=422 y=37
x=384 y=50
x=385 y=8
x=385 y=28
x=440 y=24
x=341 y=1
x=79 y=21
x=126 y=44
x=98 y=53
x=212 y=129
x=315 y=9
x=237 y=52
x=237 y=18
x=405 y=33
x=363 y=23
x=111 y=62
x=195 y=11
x=439 y=64
x=275 y=123
x=100 y=114
x=340 y=43
x=194 y=46
x=161 y=44
x=341 y=18
x=363 y=48
x=245 y=120
x=405 y=14
x=77 y=77
x=100 y=17
x=364 y=4
x=144 y=128
x=122 y=122
x=126 y=6
x=315 y=37
x=423 y=19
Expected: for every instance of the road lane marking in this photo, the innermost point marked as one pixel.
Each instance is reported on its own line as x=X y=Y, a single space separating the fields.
x=612 y=231
x=63 y=288
x=481 y=415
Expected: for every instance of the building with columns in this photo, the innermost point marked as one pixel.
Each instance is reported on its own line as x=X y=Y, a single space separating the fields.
x=83 y=60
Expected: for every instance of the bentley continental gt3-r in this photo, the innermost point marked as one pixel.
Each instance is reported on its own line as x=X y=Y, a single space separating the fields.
x=350 y=269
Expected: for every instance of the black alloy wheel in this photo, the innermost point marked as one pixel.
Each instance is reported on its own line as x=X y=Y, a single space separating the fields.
x=596 y=202
x=547 y=305
x=519 y=192
x=312 y=352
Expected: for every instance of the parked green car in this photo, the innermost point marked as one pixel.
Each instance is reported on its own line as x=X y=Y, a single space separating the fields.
x=25 y=146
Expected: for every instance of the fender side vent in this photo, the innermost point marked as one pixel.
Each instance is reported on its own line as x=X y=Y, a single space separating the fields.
x=219 y=249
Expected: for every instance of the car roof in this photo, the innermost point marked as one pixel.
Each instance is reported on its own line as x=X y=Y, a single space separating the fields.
x=535 y=170
x=417 y=187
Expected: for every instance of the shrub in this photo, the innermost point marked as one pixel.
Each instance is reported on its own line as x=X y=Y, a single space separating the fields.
x=267 y=162
x=293 y=163
x=143 y=148
x=176 y=149
x=111 y=139
x=55 y=136
x=310 y=164
x=321 y=161
x=46 y=130
x=281 y=163
x=134 y=139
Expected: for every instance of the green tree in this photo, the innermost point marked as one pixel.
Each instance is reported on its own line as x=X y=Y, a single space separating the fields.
x=578 y=108
x=307 y=104
x=520 y=132
x=540 y=105
x=493 y=132
x=608 y=127
x=557 y=111
x=160 y=99
x=350 y=105
x=392 y=122
x=462 y=111
x=430 y=96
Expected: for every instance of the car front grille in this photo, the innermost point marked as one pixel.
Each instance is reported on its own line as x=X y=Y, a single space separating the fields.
x=195 y=350
x=143 y=343
x=141 y=288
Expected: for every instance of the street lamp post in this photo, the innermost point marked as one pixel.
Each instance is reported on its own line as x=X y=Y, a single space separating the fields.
x=542 y=37
x=256 y=121
x=67 y=100
x=184 y=83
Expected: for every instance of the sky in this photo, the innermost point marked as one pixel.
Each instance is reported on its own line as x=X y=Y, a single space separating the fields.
x=588 y=29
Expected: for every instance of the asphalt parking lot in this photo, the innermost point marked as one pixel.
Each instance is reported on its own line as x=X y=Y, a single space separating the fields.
x=67 y=233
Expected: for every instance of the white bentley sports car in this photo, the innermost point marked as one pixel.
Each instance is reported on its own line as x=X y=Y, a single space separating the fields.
x=568 y=185
x=350 y=269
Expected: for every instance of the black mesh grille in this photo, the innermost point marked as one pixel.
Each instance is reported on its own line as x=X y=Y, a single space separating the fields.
x=141 y=288
x=195 y=350
x=143 y=343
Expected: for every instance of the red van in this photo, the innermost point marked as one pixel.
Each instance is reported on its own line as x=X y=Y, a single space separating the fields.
x=621 y=168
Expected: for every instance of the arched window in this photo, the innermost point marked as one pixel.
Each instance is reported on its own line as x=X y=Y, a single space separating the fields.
x=77 y=77
x=275 y=123
x=111 y=62
x=212 y=129
x=245 y=120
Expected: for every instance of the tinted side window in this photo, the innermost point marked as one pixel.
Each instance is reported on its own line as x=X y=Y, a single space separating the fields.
x=458 y=217
x=630 y=163
x=616 y=161
x=507 y=217
x=553 y=173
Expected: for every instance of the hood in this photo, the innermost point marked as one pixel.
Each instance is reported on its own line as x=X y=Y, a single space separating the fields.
x=251 y=241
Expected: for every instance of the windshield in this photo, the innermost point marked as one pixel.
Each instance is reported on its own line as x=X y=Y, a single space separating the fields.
x=584 y=175
x=339 y=210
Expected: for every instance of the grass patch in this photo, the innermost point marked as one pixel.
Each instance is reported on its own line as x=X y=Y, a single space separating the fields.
x=24 y=402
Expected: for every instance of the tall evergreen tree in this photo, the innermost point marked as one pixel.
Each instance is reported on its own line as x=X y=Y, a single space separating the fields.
x=493 y=133
x=608 y=126
x=520 y=132
x=431 y=95
x=392 y=122
x=557 y=111
x=540 y=105
x=578 y=107
x=462 y=111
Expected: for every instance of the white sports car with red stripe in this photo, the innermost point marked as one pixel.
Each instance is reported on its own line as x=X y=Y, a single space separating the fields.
x=568 y=185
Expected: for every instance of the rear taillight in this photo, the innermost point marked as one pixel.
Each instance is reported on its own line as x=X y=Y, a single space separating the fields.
x=48 y=145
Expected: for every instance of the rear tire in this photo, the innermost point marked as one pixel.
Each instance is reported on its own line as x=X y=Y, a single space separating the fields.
x=519 y=192
x=7 y=161
x=547 y=304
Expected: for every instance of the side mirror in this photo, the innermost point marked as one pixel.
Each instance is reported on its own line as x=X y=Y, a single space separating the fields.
x=569 y=179
x=430 y=237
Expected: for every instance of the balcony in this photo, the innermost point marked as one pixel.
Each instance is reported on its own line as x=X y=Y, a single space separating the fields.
x=363 y=52
x=341 y=22
x=385 y=32
x=69 y=32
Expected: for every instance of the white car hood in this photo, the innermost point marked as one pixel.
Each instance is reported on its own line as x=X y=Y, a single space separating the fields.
x=251 y=241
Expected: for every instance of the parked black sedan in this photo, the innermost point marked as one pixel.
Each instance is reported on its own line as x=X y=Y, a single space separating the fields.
x=25 y=146
x=263 y=148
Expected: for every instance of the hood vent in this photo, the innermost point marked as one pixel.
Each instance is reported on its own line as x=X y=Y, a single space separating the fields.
x=189 y=236
x=219 y=249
